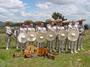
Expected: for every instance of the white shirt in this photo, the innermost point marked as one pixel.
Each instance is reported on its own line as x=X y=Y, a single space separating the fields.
x=16 y=32
x=8 y=30
x=41 y=29
x=52 y=28
x=81 y=29
x=31 y=29
x=23 y=29
x=69 y=26
x=48 y=26
x=73 y=27
x=60 y=28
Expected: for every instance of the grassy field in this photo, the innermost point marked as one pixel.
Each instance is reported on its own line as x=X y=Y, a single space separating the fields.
x=81 y=59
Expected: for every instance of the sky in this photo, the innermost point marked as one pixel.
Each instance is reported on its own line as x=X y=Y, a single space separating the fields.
x=20 y=10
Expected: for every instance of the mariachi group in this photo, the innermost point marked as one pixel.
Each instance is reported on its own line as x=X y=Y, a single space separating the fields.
x=55 y=35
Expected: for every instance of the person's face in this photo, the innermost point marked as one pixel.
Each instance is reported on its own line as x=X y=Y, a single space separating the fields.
x=73 y=23
x=80 y=22
x=52 y=23
x=70 y=23
x=31 y=24
x=77 y=23
x=60 y=24
x=23 y=25
x=42 y=24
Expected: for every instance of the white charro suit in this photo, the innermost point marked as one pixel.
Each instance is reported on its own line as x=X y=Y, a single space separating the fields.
x=73 y=45
x=8 y=36
x=80 y=39
x=42 y=30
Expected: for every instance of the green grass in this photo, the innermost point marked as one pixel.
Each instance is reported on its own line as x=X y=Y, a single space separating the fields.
x=81 y=59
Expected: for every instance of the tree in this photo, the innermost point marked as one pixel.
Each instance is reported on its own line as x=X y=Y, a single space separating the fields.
x=86 y=27
x=63 y=18
x=57 y=15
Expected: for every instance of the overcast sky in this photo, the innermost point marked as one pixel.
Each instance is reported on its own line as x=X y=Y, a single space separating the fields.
x=20 y=10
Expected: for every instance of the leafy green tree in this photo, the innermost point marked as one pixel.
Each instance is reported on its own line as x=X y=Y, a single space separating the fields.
x=86 y=27
x=57 y=15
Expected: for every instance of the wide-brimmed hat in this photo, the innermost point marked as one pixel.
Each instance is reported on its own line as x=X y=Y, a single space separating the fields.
x=27 y=22
x=81 y=20
x=66 y=21
x=59 y=20
x=7 y=23
x=38 y=22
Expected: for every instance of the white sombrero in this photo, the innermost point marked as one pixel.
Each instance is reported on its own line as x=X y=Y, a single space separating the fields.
x=62 y=35
x=50 y=35
x=40 y=37
x=31 y=36
x=73 y=34
x=22 y=38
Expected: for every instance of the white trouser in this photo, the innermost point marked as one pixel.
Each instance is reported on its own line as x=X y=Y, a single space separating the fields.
x=73 y=46
x=61 y=45
x=17 y=43
x=51 y=45
x=7 y=41
x=40 y=45
x=22 y=46
x=79 y=43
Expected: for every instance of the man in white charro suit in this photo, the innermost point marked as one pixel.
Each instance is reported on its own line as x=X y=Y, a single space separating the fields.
x=16 y=33
x=73 y=45
x=60 y=43
x=23 y=29
x=8 y=34
x=52 y=46
x=42 y=29
x=81 y=34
